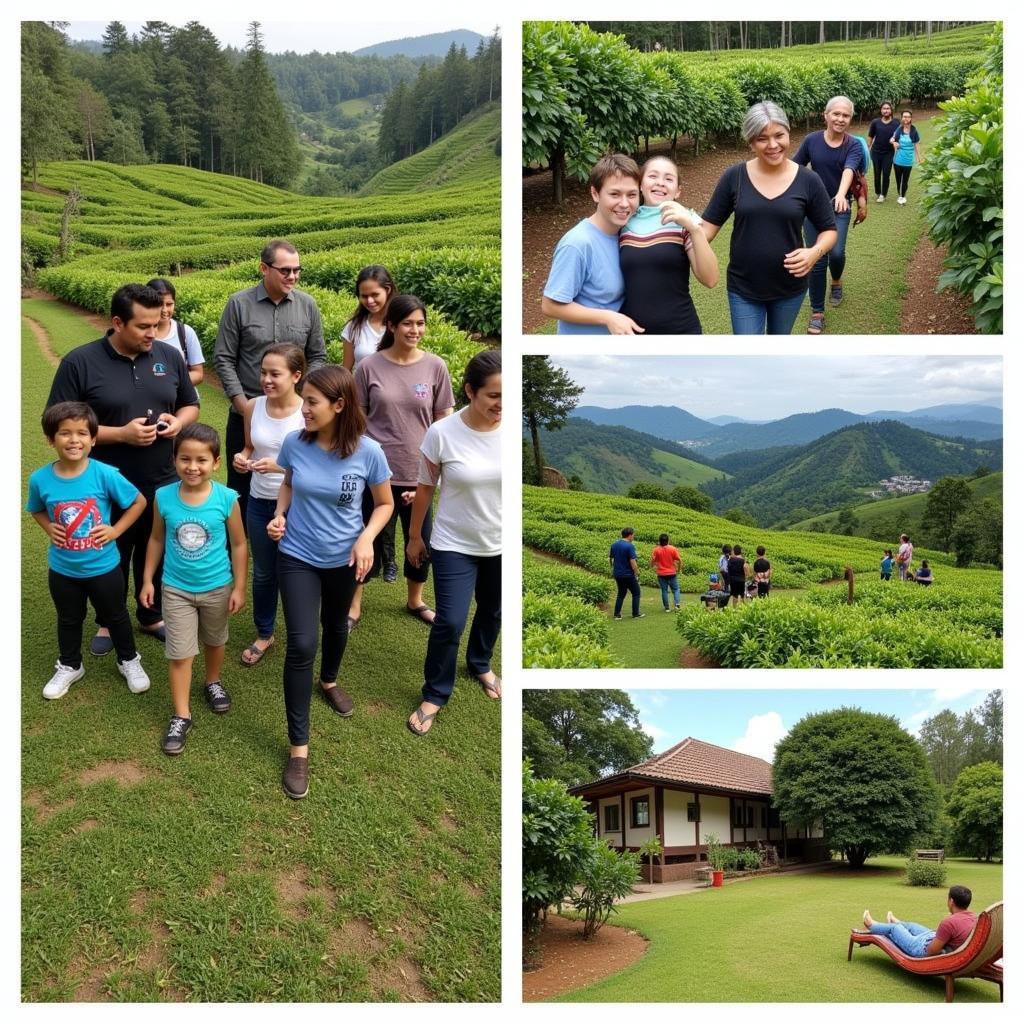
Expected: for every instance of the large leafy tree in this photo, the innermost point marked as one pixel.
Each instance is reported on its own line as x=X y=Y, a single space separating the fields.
x=953 y=742
x=549 y=395
x=577 y=735
x=947 y=501
x=976 y=810
x=860 y=774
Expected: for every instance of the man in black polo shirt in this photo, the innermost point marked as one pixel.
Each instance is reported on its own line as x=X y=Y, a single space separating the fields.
x=135 y=384
x=254 y=319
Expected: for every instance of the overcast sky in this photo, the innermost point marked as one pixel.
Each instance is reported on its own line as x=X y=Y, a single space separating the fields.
x=302 y=34
x=770 y=387
x=753 y=721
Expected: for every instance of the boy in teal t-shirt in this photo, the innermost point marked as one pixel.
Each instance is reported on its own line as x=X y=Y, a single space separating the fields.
x=72 y=499
x=192 y=522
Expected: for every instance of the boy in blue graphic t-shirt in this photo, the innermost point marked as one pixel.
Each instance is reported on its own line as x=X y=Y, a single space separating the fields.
x=202 y=586
x=72 y=499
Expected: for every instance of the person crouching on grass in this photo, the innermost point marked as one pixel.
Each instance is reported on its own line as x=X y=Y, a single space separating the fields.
x=71 y=499
x=202 y=586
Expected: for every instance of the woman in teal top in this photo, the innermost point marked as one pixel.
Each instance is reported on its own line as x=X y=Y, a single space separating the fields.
x=658 y=247
x=907 y=144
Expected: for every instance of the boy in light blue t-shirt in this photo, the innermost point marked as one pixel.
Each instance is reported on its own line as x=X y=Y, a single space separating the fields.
x=585 y=289
x=202 y=586
x=72 y=500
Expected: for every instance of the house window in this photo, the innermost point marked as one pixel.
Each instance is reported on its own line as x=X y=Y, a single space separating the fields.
x=611 y=818
x=764 y=817
x=693 y=812
x=750 y=816
x=737 y=815
x=774 y=821
x=640 y=812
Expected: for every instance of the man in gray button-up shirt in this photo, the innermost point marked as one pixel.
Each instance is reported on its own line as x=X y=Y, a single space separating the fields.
x=253 y=320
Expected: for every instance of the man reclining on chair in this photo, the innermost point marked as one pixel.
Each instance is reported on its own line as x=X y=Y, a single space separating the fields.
x=916 y=940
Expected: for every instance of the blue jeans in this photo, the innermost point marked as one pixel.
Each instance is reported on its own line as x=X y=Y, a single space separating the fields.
x=751 y=317
x=834 y=259
x=632 y=585
x=668 y=583
x=912 y=938
x=258 y=513
x=457 y=579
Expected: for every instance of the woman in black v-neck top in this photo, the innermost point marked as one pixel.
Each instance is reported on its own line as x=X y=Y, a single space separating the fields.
x=768 y=262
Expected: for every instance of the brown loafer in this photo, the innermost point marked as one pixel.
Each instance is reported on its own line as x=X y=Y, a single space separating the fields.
x=341 y=703
x=296 y=777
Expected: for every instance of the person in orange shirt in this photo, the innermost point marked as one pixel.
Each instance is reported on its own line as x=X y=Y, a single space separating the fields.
x=667 y=563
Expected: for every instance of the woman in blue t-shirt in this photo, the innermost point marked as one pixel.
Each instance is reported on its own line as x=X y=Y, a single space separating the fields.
x=658 y=247
x=907 y=145
x=324 y=549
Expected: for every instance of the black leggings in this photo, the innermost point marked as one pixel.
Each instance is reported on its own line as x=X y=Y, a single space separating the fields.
x=107 y=595
x=314 y=600
x=902 y=178
x=882 y=162
x=384 y=543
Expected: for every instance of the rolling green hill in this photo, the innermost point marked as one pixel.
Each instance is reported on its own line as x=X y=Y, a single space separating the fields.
x=886 y=519
x=840 y=468
x=469 y=153
x=612 y=459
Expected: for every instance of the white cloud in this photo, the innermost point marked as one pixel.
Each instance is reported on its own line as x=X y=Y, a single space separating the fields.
x=954 y=691
x=914 y=722
x=763 y=732
x=654 y=731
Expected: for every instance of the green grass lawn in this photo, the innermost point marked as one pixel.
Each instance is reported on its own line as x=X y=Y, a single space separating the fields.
x=783 y=938
x=875 y=280
x=149 y=878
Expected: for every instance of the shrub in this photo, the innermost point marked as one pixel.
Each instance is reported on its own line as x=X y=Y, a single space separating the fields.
x=749 y=859
x=558 y=843
x=925 y=872
x=607 y=877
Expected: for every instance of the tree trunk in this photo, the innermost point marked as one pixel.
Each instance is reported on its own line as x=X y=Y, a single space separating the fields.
x=537 y=457
x=856 y=855
x=557 y=171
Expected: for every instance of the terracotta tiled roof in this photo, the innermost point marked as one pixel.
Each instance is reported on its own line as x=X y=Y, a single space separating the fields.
x=697 y=763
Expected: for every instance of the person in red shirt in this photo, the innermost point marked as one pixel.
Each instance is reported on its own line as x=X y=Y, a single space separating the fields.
x=668 y=565
x=916 y=940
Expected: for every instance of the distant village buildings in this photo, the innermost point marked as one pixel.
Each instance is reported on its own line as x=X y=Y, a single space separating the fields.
x=901 y=485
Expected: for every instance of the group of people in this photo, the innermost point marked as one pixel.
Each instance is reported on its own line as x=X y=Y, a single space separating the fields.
x=734 y=574
x=321 y=461
x=902 y=561
x=626 y=269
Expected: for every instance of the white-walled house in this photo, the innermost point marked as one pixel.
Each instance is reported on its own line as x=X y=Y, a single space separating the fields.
x=688 y=792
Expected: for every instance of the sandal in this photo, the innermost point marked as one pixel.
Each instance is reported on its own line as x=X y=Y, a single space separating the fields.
x=423 y=720
x=417 y=613
x=255 y=653
x=817 y=324
x=493 y=688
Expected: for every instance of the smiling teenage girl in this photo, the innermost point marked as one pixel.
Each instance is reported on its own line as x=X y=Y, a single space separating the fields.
x=362 y=333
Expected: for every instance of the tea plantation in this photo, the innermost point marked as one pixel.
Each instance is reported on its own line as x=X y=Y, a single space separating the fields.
x=956 y=622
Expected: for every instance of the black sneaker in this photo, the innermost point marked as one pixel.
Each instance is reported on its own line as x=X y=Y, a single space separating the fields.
x=639 y=615
x=217 y=697
x=390 y=572
x=177 y=732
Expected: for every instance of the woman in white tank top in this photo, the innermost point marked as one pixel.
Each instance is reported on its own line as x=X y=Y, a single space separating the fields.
x=268 y=420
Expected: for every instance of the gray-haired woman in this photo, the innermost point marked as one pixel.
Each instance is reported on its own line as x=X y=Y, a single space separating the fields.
x=770 y=197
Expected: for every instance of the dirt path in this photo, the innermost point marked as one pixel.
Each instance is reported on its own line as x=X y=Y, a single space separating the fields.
x=42 y=341
x=925 y=312
x=97 y=321
x=569 y=962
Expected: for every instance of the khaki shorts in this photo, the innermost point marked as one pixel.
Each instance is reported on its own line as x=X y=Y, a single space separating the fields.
x=191 y=619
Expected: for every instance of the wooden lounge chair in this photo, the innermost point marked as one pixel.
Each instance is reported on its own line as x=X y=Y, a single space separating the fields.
x=980 y=956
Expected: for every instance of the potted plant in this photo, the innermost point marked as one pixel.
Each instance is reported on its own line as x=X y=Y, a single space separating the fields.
x=716 y=859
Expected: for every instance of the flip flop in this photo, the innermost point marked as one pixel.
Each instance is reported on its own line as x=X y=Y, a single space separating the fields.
x=423 y=720
x=256 y=653
x=493 y=687
x=417 y=613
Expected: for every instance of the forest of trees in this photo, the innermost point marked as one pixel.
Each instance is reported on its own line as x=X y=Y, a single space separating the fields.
x=174 y=95
x=168 y=95
x=757 y=35
x=417 y=114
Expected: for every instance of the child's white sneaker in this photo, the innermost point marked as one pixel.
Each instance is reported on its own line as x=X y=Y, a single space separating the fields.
x=61 y=680
x=134 y=674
